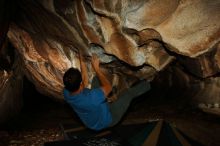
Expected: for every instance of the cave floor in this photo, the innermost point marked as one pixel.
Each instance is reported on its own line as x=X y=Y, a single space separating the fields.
x=39 y=121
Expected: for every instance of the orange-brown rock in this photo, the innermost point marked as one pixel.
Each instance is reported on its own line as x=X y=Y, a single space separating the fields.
x=133 y=39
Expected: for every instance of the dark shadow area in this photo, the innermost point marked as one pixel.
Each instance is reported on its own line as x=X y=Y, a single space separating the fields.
x=44 y=115
x=39 y=111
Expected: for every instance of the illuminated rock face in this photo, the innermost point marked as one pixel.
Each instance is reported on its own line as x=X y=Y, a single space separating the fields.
x=137 y=33
x=133 y=39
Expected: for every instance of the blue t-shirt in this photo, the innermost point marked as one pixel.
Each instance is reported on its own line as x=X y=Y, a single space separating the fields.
x=91 y=107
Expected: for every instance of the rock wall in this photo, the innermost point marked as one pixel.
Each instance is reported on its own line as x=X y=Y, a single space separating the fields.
x=11 y=83
x=203 y=93
x=133 y=39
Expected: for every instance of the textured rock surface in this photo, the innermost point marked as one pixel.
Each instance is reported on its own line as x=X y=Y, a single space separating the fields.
x=133 y=39
x=11 y=85
x=203 y=93
x=118 y=31
x=205 y=65
x=45 y=67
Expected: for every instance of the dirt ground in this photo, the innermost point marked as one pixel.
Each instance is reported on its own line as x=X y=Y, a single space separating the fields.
x=40 y=119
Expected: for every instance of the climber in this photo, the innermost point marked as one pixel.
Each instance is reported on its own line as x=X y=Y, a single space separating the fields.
x=91 y=105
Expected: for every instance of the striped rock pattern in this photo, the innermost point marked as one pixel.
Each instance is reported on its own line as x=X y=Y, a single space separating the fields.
x=133 y=39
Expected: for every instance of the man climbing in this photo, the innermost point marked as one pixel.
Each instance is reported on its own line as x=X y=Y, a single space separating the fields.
x=91 y=105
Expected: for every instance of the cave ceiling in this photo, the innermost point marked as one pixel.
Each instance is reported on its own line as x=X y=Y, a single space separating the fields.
x=133 y=39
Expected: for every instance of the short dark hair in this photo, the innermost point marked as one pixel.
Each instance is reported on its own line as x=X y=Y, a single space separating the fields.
x=72 y=79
